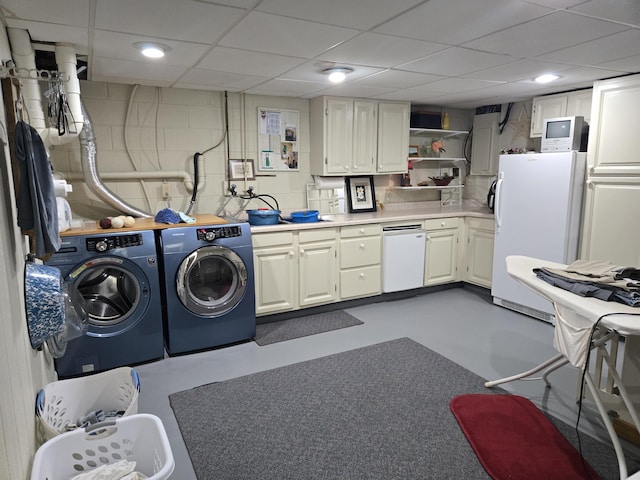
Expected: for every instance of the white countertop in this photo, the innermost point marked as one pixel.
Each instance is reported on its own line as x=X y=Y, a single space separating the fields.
x=380 y=216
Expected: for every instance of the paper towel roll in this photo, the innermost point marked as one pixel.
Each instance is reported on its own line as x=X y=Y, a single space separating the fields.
x=328 y=183
x=61 y=187
x=64 y=214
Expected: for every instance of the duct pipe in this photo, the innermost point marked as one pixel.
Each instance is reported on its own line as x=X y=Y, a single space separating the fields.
x=140 y=175
x=88 y=157
x=24 y=58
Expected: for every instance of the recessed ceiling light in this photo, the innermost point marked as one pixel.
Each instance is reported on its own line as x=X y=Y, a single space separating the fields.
x=152 y=50
x=337 y=74
x=546 y=78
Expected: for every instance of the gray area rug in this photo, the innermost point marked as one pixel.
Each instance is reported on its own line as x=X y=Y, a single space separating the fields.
x=274 y=332
x=376 y=413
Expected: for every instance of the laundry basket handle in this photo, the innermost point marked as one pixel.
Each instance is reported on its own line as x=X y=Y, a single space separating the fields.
x=100 y=430
x=39 y=402
x=135 y=378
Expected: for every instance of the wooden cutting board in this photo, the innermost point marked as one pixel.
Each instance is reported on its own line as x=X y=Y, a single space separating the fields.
x=147 y=224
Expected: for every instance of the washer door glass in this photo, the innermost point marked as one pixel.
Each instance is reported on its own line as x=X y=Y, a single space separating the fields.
x=211 y=281
x=111 y=292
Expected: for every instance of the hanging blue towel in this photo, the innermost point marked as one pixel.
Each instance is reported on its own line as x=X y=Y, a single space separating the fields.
x=37 y=207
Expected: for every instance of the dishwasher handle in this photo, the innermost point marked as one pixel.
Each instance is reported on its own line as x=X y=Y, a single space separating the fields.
x=402 y=228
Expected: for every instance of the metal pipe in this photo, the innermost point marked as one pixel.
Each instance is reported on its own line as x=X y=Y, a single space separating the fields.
x=88 y=156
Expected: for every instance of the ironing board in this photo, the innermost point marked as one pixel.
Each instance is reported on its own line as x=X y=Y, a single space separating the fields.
x=619 y=320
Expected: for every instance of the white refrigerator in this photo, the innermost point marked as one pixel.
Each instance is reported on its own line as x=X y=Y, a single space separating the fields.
x=538 y=205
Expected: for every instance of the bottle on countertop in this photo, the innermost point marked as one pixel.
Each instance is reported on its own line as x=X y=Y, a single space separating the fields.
x=445 y=121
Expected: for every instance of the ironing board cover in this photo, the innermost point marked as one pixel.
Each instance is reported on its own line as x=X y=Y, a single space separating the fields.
x=575 y=315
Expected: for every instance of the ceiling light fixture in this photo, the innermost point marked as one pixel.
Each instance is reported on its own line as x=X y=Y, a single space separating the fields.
x=546 y=78
x=152 y=50
x=337 y=74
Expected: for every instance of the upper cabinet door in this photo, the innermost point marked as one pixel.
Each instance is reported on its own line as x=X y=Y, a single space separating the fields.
x=614 y=127
x=393 y=137
x=365 y=126
x=339 y=136
x=546 y=107
x=484 y=148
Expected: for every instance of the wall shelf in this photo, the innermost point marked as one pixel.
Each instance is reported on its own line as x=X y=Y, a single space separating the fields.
x=436 y=132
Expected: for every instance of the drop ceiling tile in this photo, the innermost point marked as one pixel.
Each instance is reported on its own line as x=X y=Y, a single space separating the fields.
x=449 y=85
x=595 y=52
x=120 y=45
x=312 y=71
x=557 y=4
x=49 y=32
x=580 y=75
x=286 y=87
x=552 y=32
x=267 y=33
x=248 y=62
x=170 y=19
x=456 y=61
x=69 y=12
x=457 y=21
x=379 y=50
x=127 y=72
x=624 y=11
x=220 y=80
x=357 y=14
x=396 y=79
x=354 y=91
x=522 y=70
x=627 y=64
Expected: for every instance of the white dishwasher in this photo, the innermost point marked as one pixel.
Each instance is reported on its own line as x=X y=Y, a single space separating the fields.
x=403 y=250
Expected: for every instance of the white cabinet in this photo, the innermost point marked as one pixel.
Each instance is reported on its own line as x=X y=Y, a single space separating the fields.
x=295 y=269
x=358 y=136
x=393 y=137
x=568 y=104
x=360 y=261
x=485 y=144
x=441 y=257
x=479 y=251
x=613 y=132
x=612 y=194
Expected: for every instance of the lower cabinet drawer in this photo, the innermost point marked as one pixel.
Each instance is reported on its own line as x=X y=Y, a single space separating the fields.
x=360 y=282
x=357 y=252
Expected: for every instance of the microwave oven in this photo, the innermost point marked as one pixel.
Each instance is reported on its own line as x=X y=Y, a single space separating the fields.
x=564 y=134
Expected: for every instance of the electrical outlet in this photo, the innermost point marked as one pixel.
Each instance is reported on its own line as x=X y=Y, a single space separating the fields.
x=166 y=190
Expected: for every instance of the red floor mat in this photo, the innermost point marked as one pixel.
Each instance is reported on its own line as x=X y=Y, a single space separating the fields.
x=514 y=440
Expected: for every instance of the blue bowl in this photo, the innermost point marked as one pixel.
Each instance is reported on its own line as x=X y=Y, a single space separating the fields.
x=263 y=217
x=307 y=216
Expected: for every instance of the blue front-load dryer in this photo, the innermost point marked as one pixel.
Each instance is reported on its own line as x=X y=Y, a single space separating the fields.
x=118 y=278
x=209 y=292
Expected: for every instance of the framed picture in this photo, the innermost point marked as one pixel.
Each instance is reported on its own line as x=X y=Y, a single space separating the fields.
x=241 y=170
x=361 y=194
x=414 y=150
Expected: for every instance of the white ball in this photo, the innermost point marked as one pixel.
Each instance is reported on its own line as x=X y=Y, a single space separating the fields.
x=129 y=221
x=117 y=222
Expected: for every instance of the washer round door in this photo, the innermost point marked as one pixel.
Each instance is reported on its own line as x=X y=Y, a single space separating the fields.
x=211 y=281
x=114 y=293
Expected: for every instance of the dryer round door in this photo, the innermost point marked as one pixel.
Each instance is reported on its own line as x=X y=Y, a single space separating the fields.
x=211 y=281
x=114 y=293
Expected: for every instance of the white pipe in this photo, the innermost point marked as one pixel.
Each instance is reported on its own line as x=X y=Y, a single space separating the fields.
x=5 y=49
x=140 y=175
x=66 y=60
x=24 y=57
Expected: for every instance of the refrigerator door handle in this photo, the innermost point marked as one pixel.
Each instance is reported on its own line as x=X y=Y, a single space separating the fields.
x=498 y=201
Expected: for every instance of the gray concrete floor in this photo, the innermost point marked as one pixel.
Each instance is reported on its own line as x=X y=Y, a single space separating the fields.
x=461 y=324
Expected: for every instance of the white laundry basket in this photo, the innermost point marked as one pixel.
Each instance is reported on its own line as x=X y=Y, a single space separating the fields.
x=60 y=404
x=140 y=438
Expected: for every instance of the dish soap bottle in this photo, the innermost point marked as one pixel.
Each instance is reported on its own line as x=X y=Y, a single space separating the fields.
x=445 y=121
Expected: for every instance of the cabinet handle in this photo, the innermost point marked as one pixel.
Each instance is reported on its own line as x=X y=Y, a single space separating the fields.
x=291 y=254
x=301 y=252
x=361 y=230
x=355 y=167
x=346 y=167
x=361 y=275
x=443 y=224
x=362 y=246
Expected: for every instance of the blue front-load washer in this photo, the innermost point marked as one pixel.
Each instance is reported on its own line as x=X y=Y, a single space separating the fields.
x=209 y=294
x=118 y=279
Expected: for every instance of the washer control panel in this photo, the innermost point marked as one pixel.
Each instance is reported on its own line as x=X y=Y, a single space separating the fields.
x=103 y=244
x=209 y=234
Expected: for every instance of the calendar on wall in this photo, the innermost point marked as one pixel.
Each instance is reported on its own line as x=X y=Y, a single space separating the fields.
x=278 y=132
